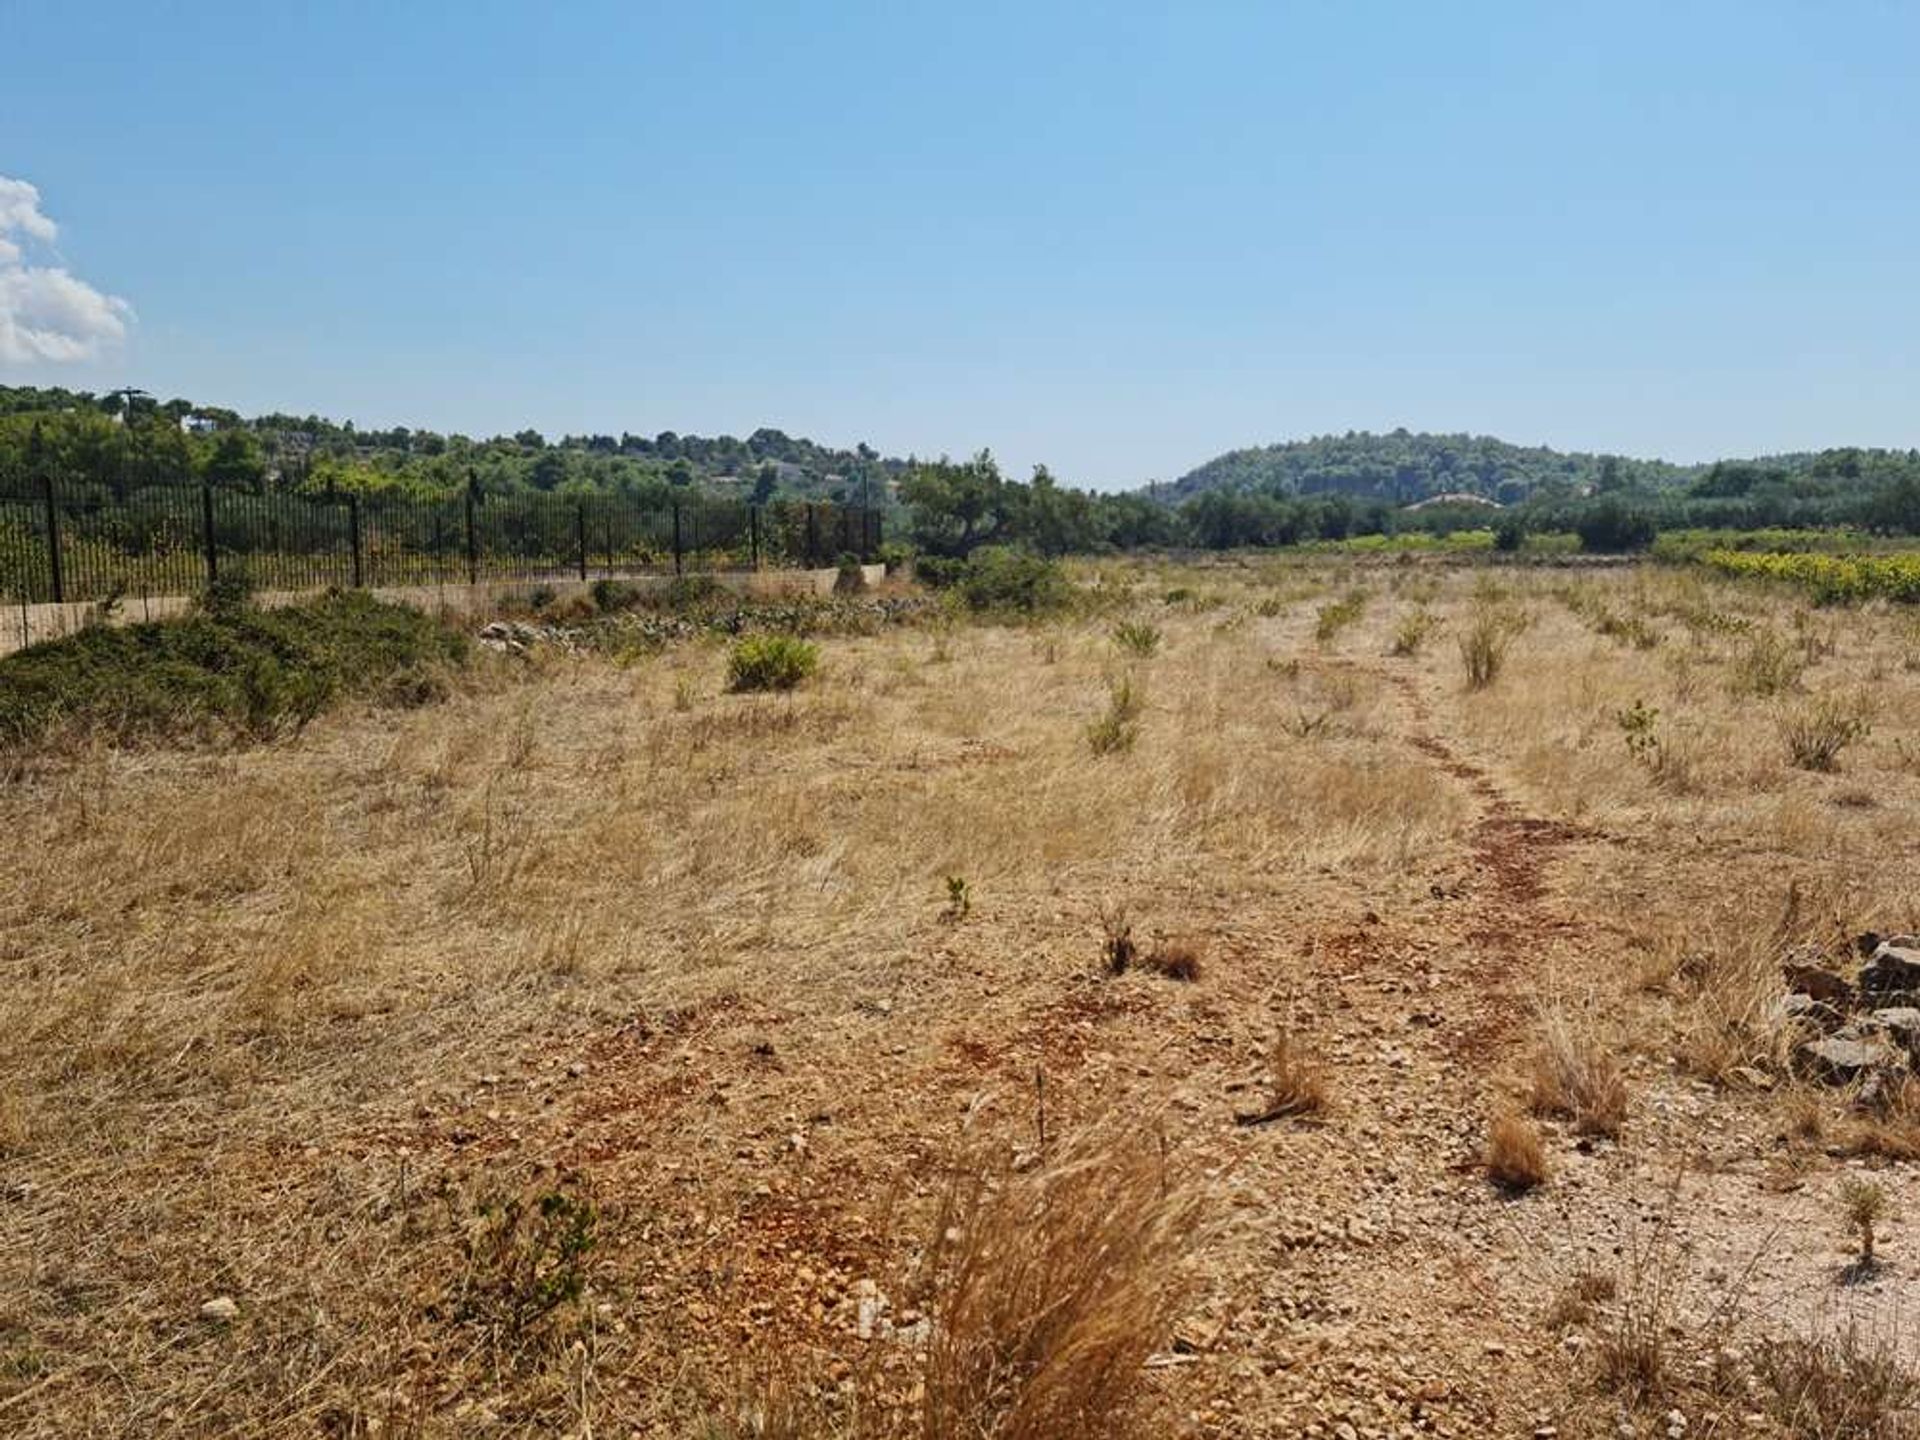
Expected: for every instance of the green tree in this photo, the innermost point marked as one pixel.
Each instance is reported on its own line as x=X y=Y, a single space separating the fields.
x=234 y=462
x=957 y=508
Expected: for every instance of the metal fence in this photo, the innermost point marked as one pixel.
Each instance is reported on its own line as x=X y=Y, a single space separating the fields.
x=83 y=543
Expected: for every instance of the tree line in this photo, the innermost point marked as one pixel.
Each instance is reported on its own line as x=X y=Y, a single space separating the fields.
x=126 y=441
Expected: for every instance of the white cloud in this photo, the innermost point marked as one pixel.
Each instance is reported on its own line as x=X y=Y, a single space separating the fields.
x=47 y=313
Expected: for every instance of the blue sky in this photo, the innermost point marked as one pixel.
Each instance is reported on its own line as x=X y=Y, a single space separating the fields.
x=1117 y=239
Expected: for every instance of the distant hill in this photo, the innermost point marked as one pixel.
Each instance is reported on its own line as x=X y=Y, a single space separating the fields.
x=1403 y=468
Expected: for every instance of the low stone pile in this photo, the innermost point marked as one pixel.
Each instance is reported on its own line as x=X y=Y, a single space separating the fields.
x=1864 y=1031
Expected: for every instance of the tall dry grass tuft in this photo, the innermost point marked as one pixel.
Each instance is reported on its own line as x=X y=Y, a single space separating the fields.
x=1516 y=1156
x=1576 y=1076
x=1483 y=647
x=1050 y=1291
x=1296 y=1084
x=1852 y=1385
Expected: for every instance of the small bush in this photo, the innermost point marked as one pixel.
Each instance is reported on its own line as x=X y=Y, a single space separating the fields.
x=850 y=578
x=1137 y=638
x=1767 y=665
x=770 y=662
x=1483 y=649
x=1817 y=733
x=1001 y=579
x=525 y=1258
x=959 y=900
x=1412 y=631
x=1574 y=1076
x=1117 y=946
x=1119 y=726
x=1336 y=615
x=1864 y=1205
x=1516 y=1157
x=245 y=671
x=611 y=595
x=227 y=597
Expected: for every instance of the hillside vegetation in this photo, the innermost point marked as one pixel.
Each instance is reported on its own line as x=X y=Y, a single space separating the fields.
x=1404 y=467
x=126 y=444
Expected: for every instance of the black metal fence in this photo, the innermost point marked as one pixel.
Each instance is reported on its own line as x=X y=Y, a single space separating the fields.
x=81 y=543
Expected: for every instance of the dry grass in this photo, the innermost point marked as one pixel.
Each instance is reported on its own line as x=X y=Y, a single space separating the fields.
x=1042 y=1294
x=281 y=1019
x=1296 y=1084
x=1852 y=1385
x=1178 y=958
x=1574 y=1074
x=1052 y=1290
x=1515 y=1157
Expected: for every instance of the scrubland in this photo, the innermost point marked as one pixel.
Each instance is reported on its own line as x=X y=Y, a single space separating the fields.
x=1266 y=998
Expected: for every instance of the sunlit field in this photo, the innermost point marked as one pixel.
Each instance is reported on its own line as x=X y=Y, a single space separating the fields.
x=1333 y=995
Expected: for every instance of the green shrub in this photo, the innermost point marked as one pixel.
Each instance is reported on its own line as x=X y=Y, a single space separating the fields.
x=999 y=578
x=1770 y=664
x=1612 y=526
x=246 y=671
x=610 y=595
x=227 y=596
x=1335 y=616
x=525 y=1258
x=770 y=662
x=850 y=578
x=1137 y=638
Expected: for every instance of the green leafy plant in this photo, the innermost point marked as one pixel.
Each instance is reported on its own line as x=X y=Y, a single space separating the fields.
x=1863 y=1204
x=1638 y=724
x=770 y=662
x=525 y=1258
x=959 y=899
x=1336 y=615
x=1137 y=638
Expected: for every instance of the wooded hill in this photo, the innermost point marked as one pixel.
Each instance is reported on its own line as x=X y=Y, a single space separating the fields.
x=129 y=440
x=1404 y=467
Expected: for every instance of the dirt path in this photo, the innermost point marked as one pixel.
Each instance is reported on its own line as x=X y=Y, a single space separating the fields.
x=1373 y=1275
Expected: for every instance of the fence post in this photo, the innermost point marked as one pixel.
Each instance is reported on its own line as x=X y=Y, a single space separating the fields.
x=580 y=533
x=813 y=537
x=753 y=537
x=353 y=530
x=473 y=537
x=676 y=536
x=206 y=532
x=57 y=575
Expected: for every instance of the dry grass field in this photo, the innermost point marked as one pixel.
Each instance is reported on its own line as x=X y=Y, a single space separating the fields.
x=1288 y=998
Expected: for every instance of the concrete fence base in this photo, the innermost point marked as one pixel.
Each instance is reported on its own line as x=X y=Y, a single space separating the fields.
x=23 y=625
